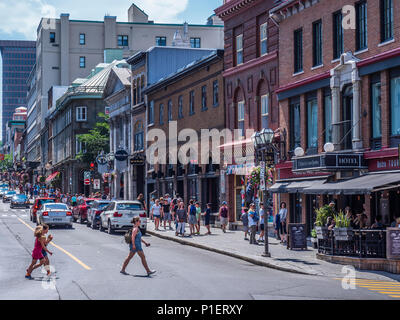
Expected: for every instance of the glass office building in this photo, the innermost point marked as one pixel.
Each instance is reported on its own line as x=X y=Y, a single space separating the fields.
x=18 y=58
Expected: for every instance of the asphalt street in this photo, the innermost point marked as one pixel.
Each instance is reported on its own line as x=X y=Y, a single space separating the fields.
x=87 y=264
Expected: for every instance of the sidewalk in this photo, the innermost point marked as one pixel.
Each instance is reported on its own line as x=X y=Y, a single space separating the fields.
x=232 y=243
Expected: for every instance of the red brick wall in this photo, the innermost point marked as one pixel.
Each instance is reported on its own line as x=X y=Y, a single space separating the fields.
x=324 y=10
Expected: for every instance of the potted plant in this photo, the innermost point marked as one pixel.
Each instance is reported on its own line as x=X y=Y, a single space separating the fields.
x=320 y=221
x=314 y=239
x=342 y=230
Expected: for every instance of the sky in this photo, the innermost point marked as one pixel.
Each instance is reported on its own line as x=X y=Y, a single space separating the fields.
x=19 y=19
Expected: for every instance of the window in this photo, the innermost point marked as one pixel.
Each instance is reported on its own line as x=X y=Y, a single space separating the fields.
x=195 y=43
x=122 y=41
x=170 y=110
x=82 y=62
x=161 y=113
x=161 y=41
x=361 y=27
x=376 y=110
x=298 y=51
x=264 y=111
x=264 y=39
x=386 y=20
x=204 y=98
x=337 y=35
x=81 y=114
x=317 y=43
x=52 y=37
x=82 y=39
x=395 y=105
x=239 y=49
x=151 y=113
x=139 y=136
x=240 y=116
x=191 y=103
x=328 y=115
x=312 y=122
x=295 y=137
x=80 y=146
x=180 y=107
x=215 y=93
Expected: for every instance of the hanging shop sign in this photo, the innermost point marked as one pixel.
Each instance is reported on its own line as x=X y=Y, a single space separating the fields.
x=330 y=162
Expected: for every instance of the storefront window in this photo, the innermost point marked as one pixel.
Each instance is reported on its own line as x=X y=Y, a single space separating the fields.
x=312 y=123
x=376 y=110
x=395 y=105
x=295 y=138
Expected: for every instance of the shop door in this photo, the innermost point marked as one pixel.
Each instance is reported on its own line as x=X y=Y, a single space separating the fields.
x=295 y=208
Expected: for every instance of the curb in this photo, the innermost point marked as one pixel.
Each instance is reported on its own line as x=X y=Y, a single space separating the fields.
x=230 y=254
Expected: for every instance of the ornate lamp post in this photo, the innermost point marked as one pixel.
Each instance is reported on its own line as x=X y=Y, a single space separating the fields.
x=263 y=144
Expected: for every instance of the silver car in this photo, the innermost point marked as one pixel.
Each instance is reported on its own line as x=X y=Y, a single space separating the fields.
x=54 y=214
x=93 y=213
x=19 y=200
x=119 y=214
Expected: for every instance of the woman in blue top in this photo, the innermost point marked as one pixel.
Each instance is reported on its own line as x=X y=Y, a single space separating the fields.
x=136 y=247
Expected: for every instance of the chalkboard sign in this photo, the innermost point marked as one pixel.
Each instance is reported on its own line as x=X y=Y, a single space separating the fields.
x=297 y=236
x=393 y=243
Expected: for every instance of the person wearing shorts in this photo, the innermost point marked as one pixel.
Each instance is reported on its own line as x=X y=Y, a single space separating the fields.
x=167 y=214
x=156 y=213
x=192 y=217
x=223 y=216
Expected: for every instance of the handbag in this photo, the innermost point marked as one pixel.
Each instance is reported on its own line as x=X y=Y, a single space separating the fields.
x=128 y=237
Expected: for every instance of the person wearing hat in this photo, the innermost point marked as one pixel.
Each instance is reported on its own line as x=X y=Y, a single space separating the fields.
x=223 y=216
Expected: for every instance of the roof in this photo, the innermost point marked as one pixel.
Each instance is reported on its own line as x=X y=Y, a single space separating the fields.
x=123 y=74
x=186 y=69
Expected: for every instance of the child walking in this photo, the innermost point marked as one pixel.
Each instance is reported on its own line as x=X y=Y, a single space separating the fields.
x=40 y=244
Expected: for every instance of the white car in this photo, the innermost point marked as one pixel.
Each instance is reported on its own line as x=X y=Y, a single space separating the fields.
x=119 y=214
x=54 y=214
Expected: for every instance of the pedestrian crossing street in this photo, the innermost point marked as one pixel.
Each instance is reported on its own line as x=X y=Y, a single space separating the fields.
x=389 y=288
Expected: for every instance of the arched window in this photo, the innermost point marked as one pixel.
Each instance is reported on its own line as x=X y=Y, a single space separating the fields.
x=139 y=136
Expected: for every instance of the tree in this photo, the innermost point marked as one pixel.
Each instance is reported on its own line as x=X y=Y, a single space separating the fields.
x=7 y=163
x=96 y=140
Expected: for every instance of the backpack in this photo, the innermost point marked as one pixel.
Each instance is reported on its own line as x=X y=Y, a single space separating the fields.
x=256 y=217
x=128 y=237
x=193 y=210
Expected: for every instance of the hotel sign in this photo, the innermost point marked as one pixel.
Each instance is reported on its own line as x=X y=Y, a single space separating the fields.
x=329 y=162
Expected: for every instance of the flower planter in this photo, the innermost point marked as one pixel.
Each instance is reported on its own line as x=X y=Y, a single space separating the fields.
x=322 y=232
x=343 y=234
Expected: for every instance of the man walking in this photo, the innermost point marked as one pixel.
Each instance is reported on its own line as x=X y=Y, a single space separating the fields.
x=253 y=223
x=223 y=216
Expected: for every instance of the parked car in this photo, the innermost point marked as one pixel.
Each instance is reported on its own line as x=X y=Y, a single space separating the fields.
x=3 y=191
x=79 y=212
x=93 y=215
x=8 y=195
x=54 y=214
x=19 y=200
x=119 y=214
x=37 y=205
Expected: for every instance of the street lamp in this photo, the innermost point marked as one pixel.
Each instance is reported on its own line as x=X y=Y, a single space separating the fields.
x=262 y=144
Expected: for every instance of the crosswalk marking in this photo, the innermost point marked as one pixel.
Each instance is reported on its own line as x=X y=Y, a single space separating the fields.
x=389 y=288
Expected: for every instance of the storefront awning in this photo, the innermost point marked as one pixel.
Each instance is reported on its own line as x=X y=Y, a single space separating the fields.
x=294 y=186
x=361 y=185
x=51 y=177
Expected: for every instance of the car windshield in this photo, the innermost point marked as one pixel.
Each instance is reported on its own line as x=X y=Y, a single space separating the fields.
x=20 y=197
x=103 y=205
x=89 y=202
x=11 y=192
x=45 y=201
x=56 y=206
x=129 y=206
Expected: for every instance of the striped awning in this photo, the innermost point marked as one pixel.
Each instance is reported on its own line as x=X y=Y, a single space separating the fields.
x=52 y=176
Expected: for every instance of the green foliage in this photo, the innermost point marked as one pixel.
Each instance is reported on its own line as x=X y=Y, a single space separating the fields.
x=313 y=233
x=323 y=214
x=7 y=163
x=341 y=220
x=96 y=140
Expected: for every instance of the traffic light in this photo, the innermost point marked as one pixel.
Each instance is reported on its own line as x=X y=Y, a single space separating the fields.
x=92 y=166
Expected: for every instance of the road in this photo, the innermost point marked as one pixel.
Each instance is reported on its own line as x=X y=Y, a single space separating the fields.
x=87 y=264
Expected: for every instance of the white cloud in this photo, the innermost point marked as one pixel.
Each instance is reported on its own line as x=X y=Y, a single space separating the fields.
x=162 y=10
x=23 y=16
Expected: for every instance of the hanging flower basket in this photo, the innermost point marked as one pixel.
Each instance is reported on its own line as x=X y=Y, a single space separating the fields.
x=41 y=179
x=254 y=176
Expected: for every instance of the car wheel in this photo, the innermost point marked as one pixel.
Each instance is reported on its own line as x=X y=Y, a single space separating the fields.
x=88 y=223
x=81 y=221
x=143 y=231
x=93 y=225
x=109 y=229
x=101 y=228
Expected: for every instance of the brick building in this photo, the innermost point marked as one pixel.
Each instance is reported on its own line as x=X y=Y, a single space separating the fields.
x=251 y=78
x=339 y=83
x=192 y=98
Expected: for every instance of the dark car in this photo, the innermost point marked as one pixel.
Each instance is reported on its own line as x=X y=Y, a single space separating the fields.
x=8 y=195
x=19 y=200
x=37 y=205
x=93 y=215
x=79 y=212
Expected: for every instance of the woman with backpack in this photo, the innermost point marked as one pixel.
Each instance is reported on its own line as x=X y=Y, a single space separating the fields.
x=135 y=246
